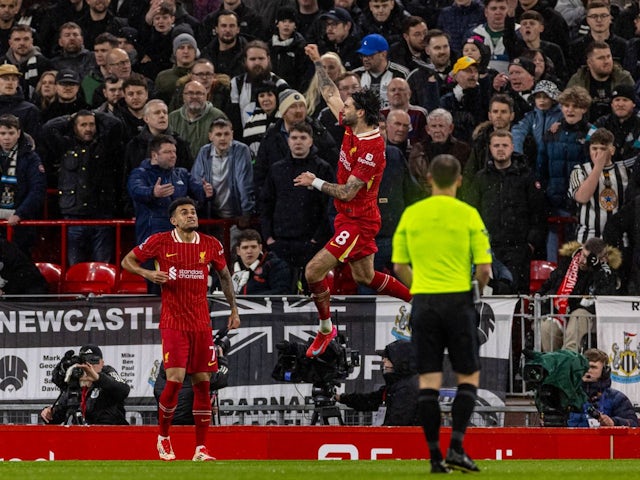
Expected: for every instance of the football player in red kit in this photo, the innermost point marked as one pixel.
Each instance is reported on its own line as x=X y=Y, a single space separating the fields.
x=183 y=256
x=360 y=167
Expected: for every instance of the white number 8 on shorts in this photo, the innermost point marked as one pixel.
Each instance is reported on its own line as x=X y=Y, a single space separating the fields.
x=342 y=237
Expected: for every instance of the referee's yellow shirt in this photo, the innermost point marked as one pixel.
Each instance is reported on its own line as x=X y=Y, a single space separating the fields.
x=441 y=237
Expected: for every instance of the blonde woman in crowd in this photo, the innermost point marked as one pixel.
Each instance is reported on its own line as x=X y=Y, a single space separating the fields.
x=334 y=68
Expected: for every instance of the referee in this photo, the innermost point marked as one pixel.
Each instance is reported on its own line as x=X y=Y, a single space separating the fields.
x=434 y=246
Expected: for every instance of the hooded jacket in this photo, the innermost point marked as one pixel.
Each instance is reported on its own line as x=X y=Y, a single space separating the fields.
x=400 y=392
x=606 y=400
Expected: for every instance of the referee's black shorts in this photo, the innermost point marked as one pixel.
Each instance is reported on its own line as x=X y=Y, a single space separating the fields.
x=445 y=320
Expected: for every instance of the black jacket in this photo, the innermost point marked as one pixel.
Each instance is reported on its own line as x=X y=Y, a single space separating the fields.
x=105 y=400
x=22 y=277
x=467 y=113
x=31 y=181
x=58 y=109
x=400 y=392
x=230 y=62
x=391 y=29
x=295 y=213
x=626 y=136
x=289 y=61
x=87 y=175
x=274 y=147
x=511 y=204
x=348 y=49
x=27 y=112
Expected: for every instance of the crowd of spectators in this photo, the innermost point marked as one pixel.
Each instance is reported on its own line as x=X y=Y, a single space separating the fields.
x=123 y=105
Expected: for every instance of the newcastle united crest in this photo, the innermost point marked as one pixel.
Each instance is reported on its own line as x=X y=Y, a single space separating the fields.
x=624 y=363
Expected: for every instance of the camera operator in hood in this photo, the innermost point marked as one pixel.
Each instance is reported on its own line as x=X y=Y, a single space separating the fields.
x=607 y=407
x=101 y=390
x=397 y=399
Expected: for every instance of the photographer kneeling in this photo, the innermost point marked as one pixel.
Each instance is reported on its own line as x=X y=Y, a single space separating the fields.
x=606 y=407
x=397 y=399
x=92 y=393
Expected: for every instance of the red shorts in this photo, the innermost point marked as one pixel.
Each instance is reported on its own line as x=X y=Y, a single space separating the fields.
x=352 y=240
x=194 y=351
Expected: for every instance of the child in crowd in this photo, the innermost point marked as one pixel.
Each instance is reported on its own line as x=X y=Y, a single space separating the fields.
x=564 y=146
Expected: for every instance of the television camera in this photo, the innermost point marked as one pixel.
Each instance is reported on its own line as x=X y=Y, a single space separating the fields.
x=66 y=376
x=556 y=380
x=324 y=372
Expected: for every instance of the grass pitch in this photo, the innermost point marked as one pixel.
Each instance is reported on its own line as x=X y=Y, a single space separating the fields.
x=311 y=470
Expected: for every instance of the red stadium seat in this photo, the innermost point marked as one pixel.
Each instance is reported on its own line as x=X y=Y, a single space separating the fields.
x=52 y=273
x=539 y=271
x=131 y=283
x=90 y=277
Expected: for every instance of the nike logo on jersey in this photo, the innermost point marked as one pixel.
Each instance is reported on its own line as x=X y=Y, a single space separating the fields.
x=170 y=255
x=211 y=364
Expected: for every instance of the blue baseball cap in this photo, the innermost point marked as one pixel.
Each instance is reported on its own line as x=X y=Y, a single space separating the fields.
x=372 y=44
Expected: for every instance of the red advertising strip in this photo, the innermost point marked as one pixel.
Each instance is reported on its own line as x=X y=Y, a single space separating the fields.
x=311 y=443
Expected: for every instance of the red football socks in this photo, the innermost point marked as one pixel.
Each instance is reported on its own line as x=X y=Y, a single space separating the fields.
x=201 y=411
x=167 y=406
x=384 y=283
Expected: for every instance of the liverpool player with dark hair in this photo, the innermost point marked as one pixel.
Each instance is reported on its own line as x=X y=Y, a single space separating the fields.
x=362 y=161
x=183 y=256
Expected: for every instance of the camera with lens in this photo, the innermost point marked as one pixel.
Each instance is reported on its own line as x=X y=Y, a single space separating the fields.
x=556 y=380
x=66 y=376
x=324 y=372
x=62 y=377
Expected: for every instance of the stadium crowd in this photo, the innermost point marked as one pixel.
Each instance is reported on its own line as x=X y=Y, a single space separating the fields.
x=515 y=89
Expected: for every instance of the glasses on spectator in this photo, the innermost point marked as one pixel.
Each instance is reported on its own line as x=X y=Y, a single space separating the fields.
x=122 y=63
x=601 y=16
x=195 y=94
x=349 y=88
x=203 y=74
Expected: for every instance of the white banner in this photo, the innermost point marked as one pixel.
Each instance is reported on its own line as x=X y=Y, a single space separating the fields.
x=618 y=324
x=496 y=317
x=27 y=372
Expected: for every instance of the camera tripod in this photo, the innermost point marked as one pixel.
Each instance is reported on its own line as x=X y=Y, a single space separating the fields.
x=325 y=404
x=325 y=413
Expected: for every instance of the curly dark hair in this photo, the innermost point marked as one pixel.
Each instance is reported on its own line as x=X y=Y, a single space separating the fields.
x=369 y=101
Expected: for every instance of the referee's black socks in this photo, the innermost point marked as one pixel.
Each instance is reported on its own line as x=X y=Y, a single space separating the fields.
x=429 y=411
x=461 y=411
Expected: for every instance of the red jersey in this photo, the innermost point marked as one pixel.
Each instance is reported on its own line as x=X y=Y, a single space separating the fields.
x=363 y=157
x=184 y=295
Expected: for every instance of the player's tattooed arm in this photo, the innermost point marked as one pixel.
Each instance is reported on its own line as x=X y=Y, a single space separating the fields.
x=344 y=192
x=227 y=288
x=326 y=86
